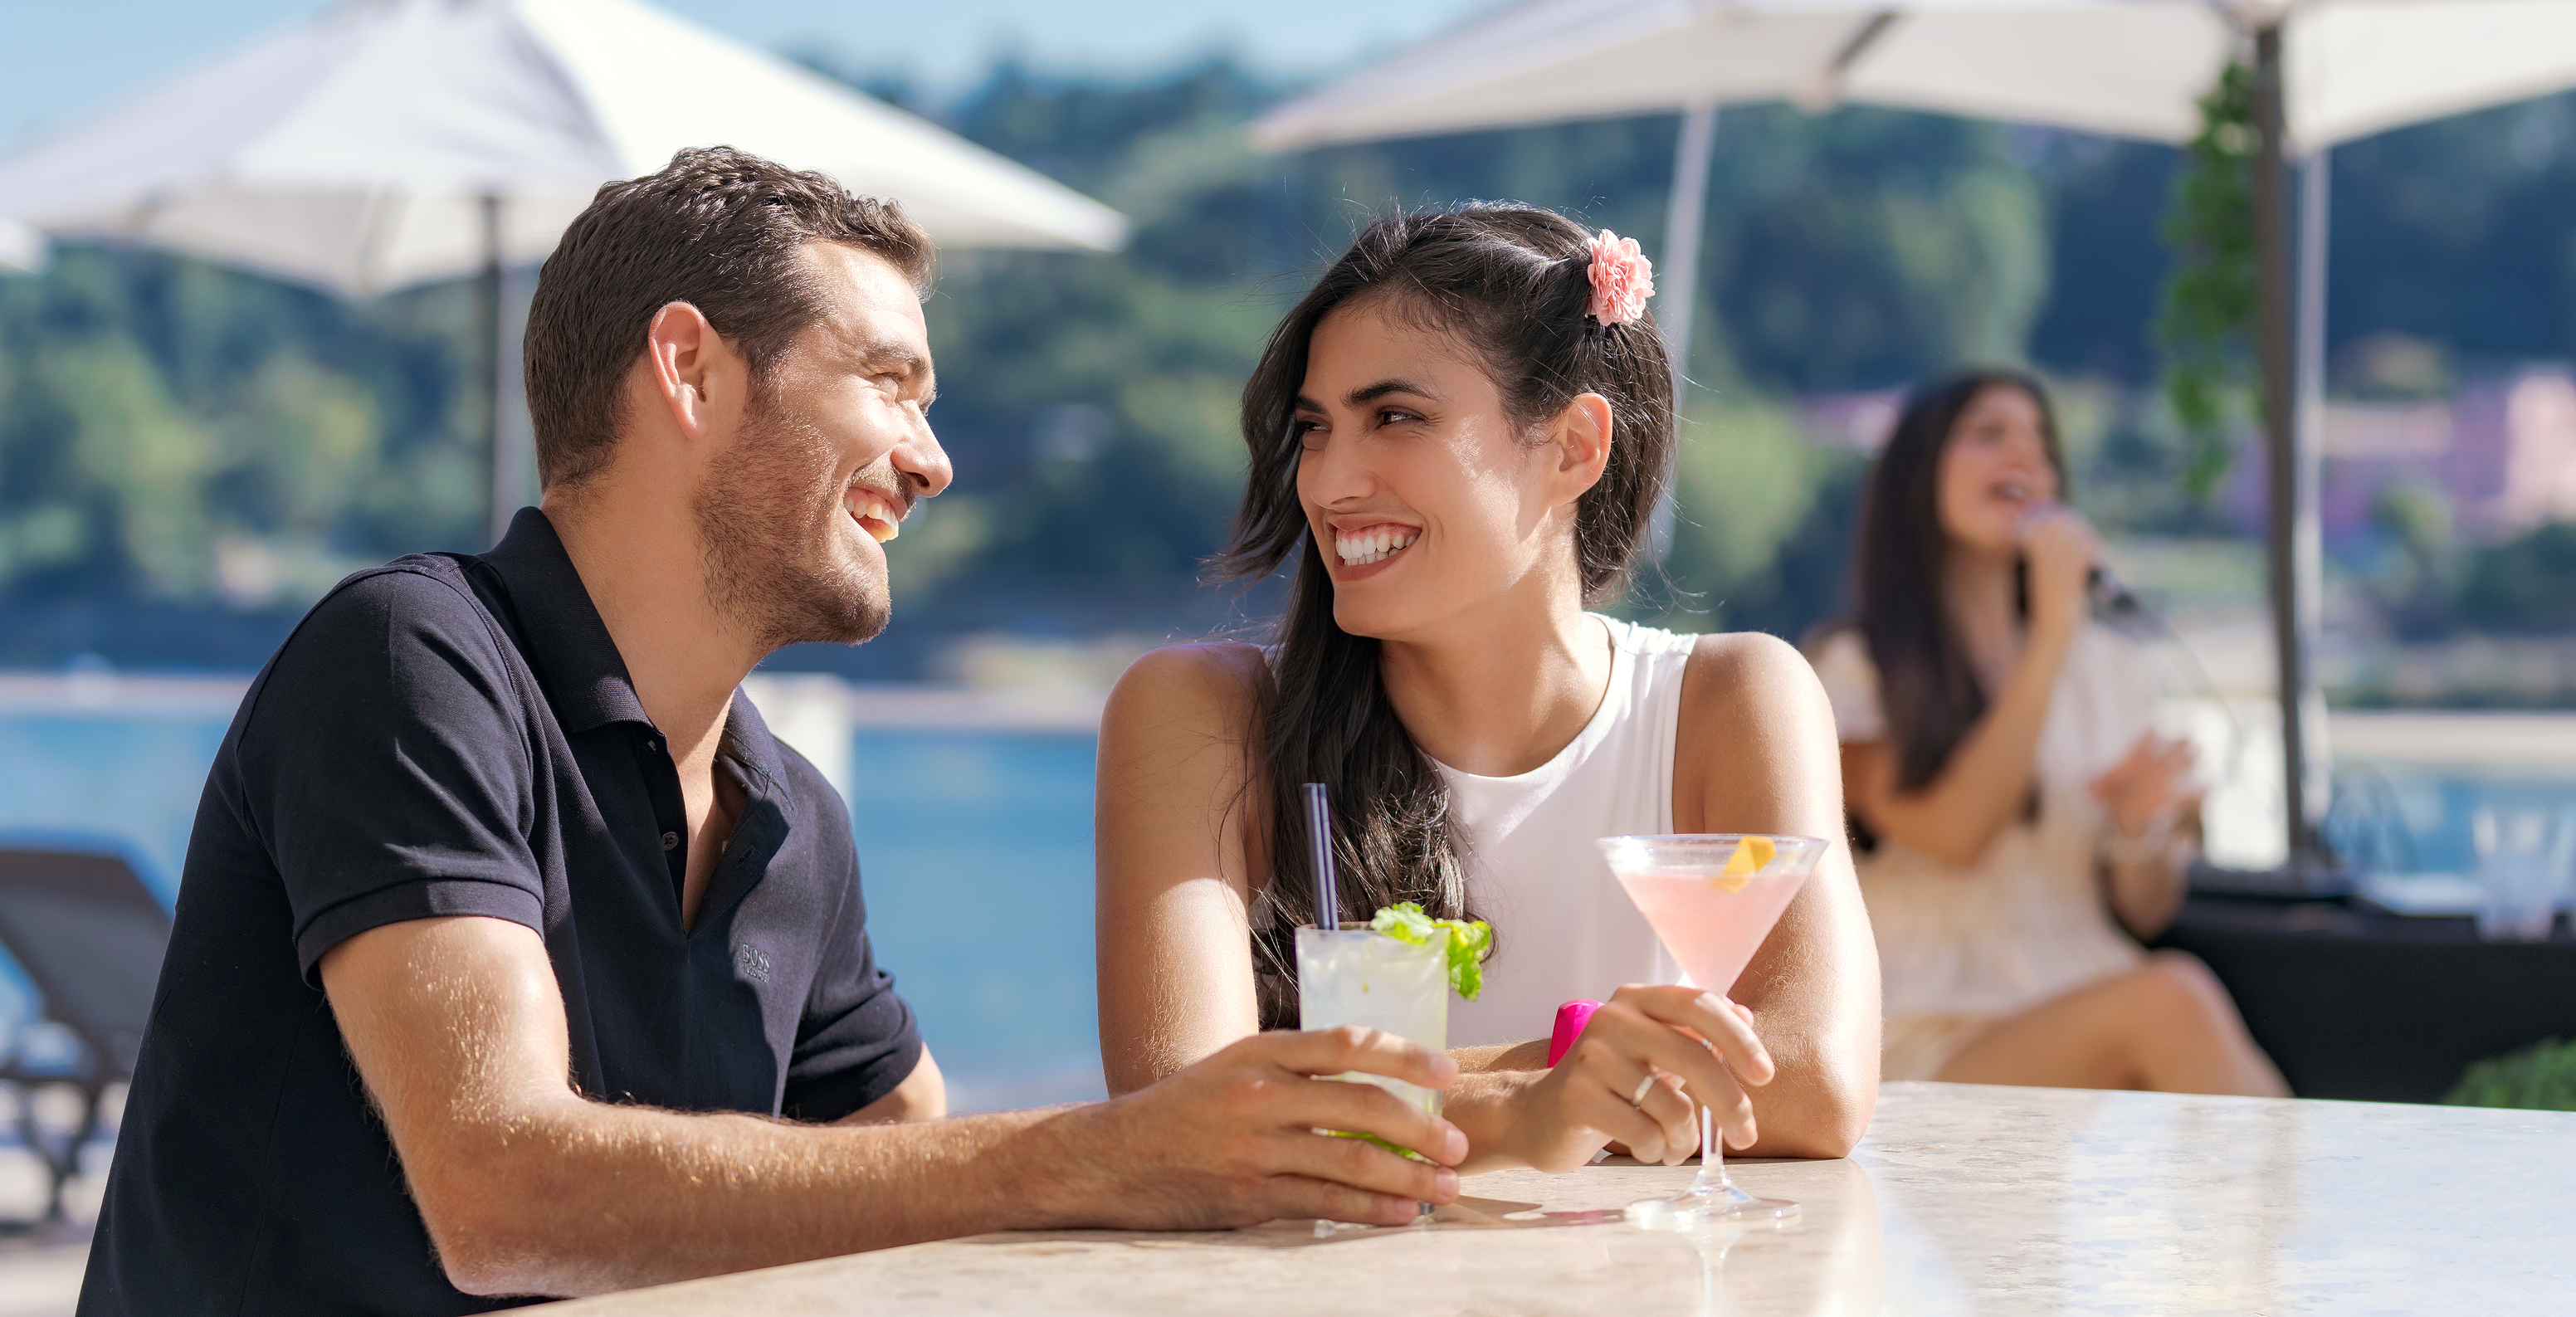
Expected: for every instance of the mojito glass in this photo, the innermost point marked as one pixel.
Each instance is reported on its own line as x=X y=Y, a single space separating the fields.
x=1357 y=975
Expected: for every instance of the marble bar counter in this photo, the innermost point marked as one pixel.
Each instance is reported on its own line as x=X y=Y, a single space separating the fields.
x=1962 y=1199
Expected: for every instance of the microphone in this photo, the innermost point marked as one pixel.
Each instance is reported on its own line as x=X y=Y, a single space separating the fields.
x=2109 y=597
x=2108 y=594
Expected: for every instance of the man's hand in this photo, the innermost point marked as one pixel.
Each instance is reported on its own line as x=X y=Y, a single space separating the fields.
x=527 y=1187
x=1234 y=1141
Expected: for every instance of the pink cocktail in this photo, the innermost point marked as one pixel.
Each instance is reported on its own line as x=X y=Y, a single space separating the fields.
x=1711 y=898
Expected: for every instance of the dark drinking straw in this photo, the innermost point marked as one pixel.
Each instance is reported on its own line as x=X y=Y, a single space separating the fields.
x=1319 y=839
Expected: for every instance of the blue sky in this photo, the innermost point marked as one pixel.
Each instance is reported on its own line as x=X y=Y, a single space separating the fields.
x=60 y=59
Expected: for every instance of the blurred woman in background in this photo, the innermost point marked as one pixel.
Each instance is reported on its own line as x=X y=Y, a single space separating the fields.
x=2000 y=760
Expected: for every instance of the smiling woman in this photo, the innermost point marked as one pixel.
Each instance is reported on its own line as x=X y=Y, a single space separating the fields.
x=1459 y=438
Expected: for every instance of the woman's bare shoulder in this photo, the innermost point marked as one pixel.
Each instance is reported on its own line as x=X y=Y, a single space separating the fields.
x=1743 y=680
x=1213 y=684
x=1751 y=664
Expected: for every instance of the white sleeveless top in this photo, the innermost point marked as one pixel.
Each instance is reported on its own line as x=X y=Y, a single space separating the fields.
x=1564 y=928
x=2027 y=921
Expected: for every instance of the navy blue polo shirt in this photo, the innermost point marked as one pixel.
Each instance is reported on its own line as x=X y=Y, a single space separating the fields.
x=451 y=735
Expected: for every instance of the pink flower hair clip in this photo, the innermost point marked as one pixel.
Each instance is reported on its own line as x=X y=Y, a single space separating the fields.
x=1622 y=280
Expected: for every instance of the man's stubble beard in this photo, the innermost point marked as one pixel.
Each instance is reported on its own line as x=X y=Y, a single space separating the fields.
x=764 y=518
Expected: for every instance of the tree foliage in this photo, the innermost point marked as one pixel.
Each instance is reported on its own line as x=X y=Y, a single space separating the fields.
x=2527 y=583
x=189 y=454
x=176 y=435
x=2541 y=1077
x=2206 y=323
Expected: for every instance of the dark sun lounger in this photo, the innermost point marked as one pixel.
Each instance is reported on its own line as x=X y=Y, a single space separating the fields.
x=90 y=936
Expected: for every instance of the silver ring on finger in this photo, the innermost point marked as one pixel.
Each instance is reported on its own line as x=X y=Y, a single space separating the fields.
x=1644 y=1086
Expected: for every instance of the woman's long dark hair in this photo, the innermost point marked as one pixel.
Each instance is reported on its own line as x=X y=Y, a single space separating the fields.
x=1512 y=282
x=1928 y=689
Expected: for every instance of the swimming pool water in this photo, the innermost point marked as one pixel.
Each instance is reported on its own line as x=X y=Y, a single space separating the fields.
x=974 y=850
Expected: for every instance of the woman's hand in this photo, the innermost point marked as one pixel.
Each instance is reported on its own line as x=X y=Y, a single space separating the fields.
x=2060 y=547
x=1643 y=1033
x=2151 y=782
x=2145 y=794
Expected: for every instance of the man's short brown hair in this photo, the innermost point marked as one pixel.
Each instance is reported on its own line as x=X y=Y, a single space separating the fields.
x=716 y=228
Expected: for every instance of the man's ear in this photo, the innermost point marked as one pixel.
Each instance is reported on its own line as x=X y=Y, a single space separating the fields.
x=1579 y=445
x=696 y=375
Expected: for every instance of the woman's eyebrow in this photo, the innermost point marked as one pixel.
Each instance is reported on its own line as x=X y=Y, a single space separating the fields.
x=1382 y=388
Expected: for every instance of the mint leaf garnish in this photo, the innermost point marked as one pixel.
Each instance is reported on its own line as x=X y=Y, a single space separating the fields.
x=1469 y=941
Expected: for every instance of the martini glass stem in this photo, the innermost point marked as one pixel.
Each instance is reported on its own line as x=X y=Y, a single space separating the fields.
x=1712 y=1156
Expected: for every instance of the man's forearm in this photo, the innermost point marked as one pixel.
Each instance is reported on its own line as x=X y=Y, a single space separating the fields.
x=528 y=1188
x=590 y=1197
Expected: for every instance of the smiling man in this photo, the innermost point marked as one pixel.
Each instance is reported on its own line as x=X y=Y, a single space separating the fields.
x=514 y=957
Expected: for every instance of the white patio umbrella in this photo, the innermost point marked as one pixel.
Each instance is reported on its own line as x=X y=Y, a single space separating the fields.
x=22 y=248
x=388 y=142
x=2327 y=71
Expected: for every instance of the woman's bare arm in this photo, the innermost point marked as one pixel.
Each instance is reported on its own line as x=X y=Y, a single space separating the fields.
x=2145 y=894
x=923 y=1095
x=1957 y=815
x=2150 y=783
x=1757 y=754
x=1178 y=837
x=1175 y=830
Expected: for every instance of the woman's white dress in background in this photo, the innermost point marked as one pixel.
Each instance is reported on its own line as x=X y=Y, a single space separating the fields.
x=1959 y=948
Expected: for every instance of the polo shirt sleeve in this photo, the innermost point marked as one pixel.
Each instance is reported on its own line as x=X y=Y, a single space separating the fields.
x=858 y=1038
x=387 y=767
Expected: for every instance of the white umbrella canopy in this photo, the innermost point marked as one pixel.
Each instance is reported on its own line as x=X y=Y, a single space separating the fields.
x=356 y=150
x=2133 y=68
x=21 y=248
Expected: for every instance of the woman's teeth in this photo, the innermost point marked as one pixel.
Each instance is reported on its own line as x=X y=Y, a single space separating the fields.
x=876 y=516
x=1376 y=544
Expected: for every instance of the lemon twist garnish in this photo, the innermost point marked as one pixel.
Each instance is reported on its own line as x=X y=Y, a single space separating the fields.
x=1751 y=854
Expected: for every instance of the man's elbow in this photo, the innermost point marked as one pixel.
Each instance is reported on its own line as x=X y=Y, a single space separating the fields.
x=481 y=1252
x=481 y=1206
x=486 y=1275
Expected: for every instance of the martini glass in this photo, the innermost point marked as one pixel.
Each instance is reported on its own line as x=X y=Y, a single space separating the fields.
x=1711 y=898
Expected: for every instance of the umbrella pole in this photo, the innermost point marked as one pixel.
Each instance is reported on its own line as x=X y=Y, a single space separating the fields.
x=487 y=327
x=1683 y=220
x=2295 y=542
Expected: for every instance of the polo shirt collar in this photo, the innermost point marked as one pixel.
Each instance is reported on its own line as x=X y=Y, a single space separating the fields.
x=575 y=659
x=747 y=740
x=568 y=646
